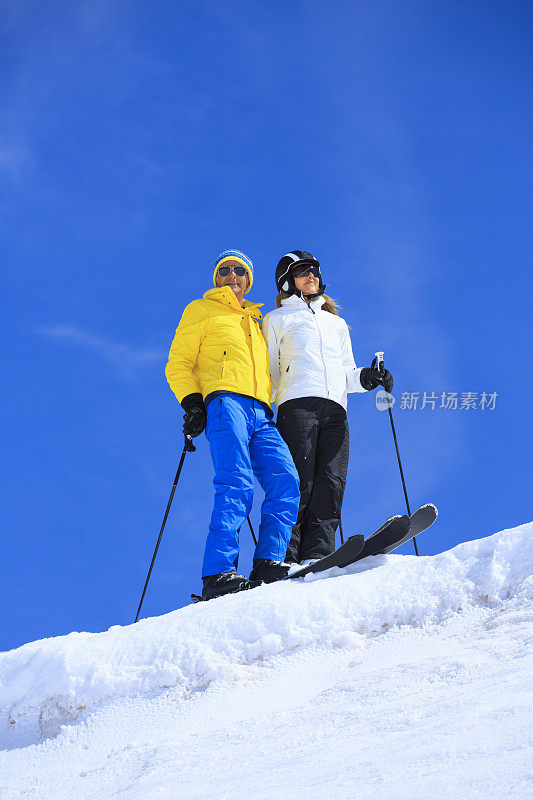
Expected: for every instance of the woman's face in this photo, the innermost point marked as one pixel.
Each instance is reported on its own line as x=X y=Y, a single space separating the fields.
x=306 y=283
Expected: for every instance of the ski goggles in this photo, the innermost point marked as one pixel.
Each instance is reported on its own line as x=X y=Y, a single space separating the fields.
x=305 y=269
x=238 y=270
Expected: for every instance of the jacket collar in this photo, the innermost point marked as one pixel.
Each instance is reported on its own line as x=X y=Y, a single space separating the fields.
x=226 y=296
x=299 y=302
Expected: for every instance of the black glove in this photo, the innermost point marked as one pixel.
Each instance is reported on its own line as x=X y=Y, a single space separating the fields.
x=195 y=415
x=371 y=377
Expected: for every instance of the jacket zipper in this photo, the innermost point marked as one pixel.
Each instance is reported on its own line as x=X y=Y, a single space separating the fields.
x=321 y=350
x=251 y=319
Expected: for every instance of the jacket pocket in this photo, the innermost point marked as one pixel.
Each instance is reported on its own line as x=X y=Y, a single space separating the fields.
x=223 y=363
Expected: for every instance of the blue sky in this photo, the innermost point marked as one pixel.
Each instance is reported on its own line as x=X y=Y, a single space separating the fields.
x=137 y=140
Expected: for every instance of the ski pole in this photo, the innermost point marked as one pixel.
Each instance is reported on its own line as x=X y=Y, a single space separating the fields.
x=187 y=447
x=380 y=368
x=252 y=531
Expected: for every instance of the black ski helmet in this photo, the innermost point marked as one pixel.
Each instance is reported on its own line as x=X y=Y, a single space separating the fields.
x=284 y=279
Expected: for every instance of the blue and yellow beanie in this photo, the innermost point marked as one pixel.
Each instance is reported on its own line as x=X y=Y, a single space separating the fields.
x=235 y=255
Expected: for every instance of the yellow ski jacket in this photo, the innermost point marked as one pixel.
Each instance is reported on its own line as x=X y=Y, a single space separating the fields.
x=219 y=346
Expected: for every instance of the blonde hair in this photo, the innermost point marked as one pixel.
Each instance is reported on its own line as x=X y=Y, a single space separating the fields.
x=330 y=304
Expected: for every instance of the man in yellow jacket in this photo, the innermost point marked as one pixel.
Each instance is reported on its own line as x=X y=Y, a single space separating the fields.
x=218 y=368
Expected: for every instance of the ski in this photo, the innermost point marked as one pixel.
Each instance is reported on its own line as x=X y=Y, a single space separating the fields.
x=386 y=539
x=340 y=557
x=421 y=519
x=392 y=534
x=356 y=547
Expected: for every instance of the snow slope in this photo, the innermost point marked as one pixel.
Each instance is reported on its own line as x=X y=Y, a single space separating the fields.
x=395 y=678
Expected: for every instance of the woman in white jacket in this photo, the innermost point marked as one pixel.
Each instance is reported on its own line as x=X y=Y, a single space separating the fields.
x=312 y=369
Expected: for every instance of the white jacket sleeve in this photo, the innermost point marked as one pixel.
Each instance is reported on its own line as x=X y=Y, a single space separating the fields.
x=271 y=334
x=353 y=383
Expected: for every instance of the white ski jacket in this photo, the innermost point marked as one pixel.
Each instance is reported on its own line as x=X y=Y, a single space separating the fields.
x=310 y=352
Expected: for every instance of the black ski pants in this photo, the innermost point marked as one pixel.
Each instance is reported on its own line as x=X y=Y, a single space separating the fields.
x=316 y=432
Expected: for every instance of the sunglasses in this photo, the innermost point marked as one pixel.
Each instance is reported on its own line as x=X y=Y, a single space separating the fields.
x=225 y=271
x=299 y=272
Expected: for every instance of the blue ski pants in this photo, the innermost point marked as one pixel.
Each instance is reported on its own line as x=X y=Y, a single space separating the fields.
x=244 y=442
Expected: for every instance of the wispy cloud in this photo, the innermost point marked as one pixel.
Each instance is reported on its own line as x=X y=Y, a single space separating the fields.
x=14 y=159
x=125 y=358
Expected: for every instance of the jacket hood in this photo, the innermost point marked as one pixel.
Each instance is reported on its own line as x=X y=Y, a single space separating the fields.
x=225 y=295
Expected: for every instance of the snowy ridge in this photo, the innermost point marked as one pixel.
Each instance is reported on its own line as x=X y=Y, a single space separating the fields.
x=51 y=683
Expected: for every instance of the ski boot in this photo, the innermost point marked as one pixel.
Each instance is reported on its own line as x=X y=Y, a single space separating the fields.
x=223 y=583
x=267 y=571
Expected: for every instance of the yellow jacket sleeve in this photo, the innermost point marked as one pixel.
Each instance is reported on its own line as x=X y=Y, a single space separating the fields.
x=181 y=365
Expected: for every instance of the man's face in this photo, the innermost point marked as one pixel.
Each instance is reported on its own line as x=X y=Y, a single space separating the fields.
x=239 y=283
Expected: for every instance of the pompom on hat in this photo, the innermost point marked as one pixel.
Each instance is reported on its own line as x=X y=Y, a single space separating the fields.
x=235 y=255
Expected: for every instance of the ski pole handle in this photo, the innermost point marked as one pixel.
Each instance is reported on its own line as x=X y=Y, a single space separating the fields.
x=190 y=448
x=379 y=360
